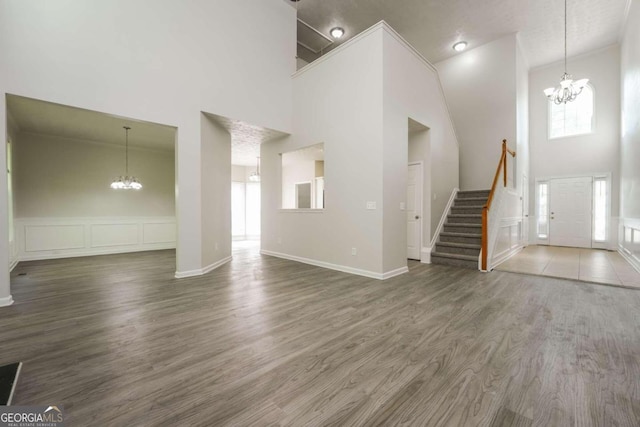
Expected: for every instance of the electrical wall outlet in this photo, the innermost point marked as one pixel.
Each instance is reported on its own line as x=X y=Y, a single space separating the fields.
x=371 y=205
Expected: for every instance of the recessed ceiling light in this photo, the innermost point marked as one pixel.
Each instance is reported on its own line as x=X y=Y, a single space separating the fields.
x=336 y=32
x=460 y=46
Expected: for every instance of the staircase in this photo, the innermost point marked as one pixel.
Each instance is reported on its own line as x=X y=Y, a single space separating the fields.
x=460 y=241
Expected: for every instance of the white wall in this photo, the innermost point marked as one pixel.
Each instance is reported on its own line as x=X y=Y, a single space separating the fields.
x=337 y=101
x=5 y=246
x=12 y=135
x=630 y=138
x=216 y=196
x=357 y=100
x=60 y=177
x=181 y=59
x=412 y=90
x=582 y=155
x=480 y=86
x=523 y=150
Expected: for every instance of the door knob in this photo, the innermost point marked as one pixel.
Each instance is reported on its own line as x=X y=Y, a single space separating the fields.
x=417 y=216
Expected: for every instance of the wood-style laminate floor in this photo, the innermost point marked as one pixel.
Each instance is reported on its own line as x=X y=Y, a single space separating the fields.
x=264 y=341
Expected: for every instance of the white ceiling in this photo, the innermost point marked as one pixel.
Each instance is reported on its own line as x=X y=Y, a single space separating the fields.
x=245 y=139
x=433 y=26
x=46 y=118
x=35 y=116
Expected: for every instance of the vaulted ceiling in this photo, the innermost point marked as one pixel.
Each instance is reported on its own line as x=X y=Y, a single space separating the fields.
x=433 y=26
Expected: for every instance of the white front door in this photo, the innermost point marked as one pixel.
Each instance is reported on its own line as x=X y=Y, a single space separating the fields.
x=414 y=211
x=570 y=205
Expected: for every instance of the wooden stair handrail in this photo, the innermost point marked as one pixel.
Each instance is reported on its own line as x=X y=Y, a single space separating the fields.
x=502 y=164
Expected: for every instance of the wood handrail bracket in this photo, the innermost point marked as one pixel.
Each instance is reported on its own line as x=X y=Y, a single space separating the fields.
x=502 y=165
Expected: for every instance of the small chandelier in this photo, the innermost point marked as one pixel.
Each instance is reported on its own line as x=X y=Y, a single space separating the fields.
x=126 y=182
x=568 y=89
x=255 y=175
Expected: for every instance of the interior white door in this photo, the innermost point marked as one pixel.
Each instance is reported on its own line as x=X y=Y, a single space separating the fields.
x=414 y=211
x=570 y=206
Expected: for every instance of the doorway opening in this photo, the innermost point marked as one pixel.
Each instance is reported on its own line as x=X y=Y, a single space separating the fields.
x=418 y=200
x=247 y=173
x=63 y=161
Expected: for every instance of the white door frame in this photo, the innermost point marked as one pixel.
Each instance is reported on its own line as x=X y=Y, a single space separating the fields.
x=420 y=205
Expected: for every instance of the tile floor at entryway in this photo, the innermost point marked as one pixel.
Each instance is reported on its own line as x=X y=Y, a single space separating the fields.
x=588 y=265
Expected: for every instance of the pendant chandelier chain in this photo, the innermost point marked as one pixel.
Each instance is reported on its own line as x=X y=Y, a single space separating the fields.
x=126 y=182
x=565 y=36
x=126 y=150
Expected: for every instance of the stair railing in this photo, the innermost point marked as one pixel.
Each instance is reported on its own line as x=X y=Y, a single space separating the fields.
x=502 y=166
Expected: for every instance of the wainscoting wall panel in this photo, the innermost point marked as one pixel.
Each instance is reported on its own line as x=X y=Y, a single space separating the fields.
x=629 y=238
x=45 y=238
x=40 y=238
x=510 y=239
x=159 y=232
x=113 y=235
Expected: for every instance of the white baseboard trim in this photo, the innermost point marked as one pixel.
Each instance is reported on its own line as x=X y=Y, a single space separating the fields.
x=6 y=301
x=12 y=264
x=394 y=273
x=202 y=271
x=425 y=255
x=337 y=267
x=503 y=257
x=82 y=253
x=630 y=258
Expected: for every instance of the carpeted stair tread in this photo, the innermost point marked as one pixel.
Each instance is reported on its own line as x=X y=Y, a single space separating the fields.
x=463 y=224
x=455 y=256
x=473 y=193
x=455 y=234
x=479 y=199
x=459 y=245
x=468 y=207
x=465 y=215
